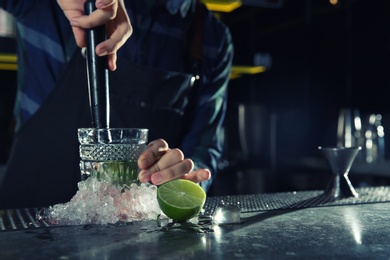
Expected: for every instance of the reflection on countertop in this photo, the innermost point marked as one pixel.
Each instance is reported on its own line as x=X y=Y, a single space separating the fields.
x=323 y=232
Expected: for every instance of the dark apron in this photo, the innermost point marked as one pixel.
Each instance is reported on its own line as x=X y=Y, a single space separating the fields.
x=43 y=167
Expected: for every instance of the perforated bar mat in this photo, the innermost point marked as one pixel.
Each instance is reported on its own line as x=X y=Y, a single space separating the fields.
x=295 y=200
x=16 y=219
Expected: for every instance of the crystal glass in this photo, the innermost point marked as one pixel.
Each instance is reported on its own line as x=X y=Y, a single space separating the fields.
x=111 y=153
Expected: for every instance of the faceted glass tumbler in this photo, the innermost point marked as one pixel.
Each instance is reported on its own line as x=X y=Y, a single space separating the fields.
x=111 y=154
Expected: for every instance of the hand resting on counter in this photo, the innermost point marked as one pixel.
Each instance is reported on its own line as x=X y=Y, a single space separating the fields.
x=159 y=164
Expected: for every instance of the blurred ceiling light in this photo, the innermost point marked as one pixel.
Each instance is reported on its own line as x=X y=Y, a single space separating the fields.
x=7 y=66
x=222 y=5
x=8 y=61
x=231 y=5
x=238 y=70
x=333 y=2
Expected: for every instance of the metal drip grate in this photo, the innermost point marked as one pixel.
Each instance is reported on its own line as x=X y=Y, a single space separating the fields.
x=14 y=219
x=295 y=200
x=19 y=219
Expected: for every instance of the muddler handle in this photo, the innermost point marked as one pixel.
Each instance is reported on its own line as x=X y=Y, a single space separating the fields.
x=97 y=71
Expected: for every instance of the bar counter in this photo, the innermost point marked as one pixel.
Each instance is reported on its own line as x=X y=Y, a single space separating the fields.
x=291 y=225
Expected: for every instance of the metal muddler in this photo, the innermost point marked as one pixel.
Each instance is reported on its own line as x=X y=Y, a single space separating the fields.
x=98 y=87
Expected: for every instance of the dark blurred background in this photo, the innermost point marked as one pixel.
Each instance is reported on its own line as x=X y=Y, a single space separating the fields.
x=320 y=56
x=7 y=84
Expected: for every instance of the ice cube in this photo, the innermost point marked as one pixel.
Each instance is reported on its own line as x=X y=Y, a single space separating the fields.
x=227 y=214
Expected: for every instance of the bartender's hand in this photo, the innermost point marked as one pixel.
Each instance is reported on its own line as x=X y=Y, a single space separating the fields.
x=160 y=164
x=112 y=13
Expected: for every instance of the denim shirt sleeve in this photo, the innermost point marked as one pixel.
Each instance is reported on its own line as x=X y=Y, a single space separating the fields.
x=204 y=141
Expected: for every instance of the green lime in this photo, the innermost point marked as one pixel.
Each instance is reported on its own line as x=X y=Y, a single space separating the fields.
x=180 y=199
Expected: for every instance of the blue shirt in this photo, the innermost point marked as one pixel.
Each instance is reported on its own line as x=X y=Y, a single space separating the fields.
x=159 y=40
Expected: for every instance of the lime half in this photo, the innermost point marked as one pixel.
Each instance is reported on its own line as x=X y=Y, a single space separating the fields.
x=181 y=199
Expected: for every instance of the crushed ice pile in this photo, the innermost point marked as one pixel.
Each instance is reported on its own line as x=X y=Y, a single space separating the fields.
x=99 y=202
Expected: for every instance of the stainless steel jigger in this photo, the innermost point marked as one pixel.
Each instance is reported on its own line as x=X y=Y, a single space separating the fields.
x=340 y=160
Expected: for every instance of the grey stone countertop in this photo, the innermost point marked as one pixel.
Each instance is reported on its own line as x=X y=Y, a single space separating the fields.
x=330 y=232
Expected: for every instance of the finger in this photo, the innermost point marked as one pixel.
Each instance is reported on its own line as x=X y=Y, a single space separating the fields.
x=100 y=4
x=167 y=166
x=170 y=158
x=118 y=31
x=198 y=176
x=72 y=10
x=112 y=61
x=96 y=18
x=67 y=5
x=79 y=21
x=173 y=172
x=79 y=35
x=153 y=152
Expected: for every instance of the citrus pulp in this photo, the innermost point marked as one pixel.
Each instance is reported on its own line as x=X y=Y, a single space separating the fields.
x=180 y=199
